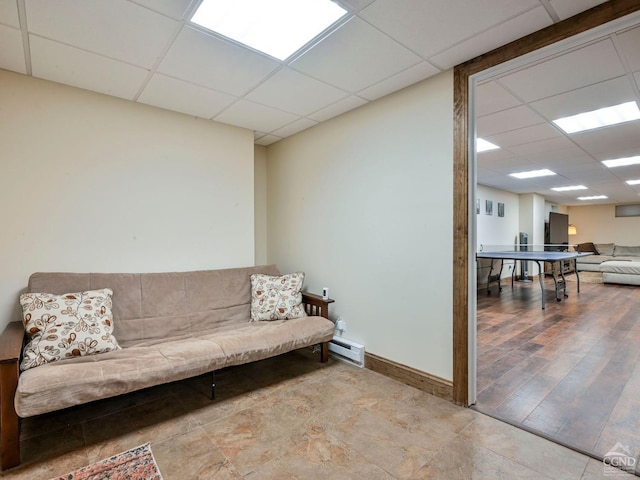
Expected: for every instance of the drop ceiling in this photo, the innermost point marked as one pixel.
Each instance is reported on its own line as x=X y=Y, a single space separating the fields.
x=515 y=109
x=148 y=52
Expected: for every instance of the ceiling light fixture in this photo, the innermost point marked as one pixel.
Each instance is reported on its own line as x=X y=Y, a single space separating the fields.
x=593 y=197
x=533 y=173
x=603 y=117
x=622 y=162
x=633 y=182
x=569 y=188
x=278 y=27
x=483 y=145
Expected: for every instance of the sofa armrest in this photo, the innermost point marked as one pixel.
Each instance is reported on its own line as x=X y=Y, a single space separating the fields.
x=316 y=305
x=11 y=343
x=10 y=348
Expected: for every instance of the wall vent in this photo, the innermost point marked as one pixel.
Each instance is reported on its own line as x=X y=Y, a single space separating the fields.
x=347 y=350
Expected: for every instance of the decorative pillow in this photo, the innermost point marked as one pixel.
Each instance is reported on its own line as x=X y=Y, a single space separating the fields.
x=622 y=251
x=587 y=247
x=66 y=326
x=276 y=297
x=605 y=248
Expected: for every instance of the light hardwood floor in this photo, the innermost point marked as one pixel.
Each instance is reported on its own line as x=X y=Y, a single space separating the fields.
x=571 y=371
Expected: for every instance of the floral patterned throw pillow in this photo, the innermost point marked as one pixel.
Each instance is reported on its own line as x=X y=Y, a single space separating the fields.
x=66 y=326
x=276 y=297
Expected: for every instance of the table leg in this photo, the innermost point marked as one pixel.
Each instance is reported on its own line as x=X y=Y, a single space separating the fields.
x=540 y=275
x=577 y=274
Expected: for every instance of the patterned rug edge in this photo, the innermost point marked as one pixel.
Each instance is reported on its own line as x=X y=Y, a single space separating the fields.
x=135 y=464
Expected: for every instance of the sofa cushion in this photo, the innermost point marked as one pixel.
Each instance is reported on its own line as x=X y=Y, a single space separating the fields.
x=161 y=305
x=587 y=247
x=66 y=326
x=631 y=268
x=81 y=380
x=622 y=251
x=605 y=248
x=276 y=297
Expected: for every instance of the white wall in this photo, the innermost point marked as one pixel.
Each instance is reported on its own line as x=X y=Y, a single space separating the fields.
x=363 y=204
x=532 y=219
x=494 y=232
x=94 y=183
x=599 y=224
x=260 y=210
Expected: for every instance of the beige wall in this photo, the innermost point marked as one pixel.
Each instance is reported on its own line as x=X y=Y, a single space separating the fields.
x=598 y=224
x=94 y=183
x=363 y=204
x=260 y=184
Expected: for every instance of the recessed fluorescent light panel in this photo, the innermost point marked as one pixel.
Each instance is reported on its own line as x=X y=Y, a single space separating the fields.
x=625 y=112
x=633 y=182
x=483 y=145
x=276 y=27
x=622 y=162
x=594 y=197
x=533 y=174
x=569 y=188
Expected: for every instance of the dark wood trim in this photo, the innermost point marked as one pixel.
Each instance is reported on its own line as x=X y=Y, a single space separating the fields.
x=599 y=15
x=11 y=342
x=416 y=378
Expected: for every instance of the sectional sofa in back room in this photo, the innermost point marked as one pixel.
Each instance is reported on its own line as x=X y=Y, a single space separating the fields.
x=618 y=263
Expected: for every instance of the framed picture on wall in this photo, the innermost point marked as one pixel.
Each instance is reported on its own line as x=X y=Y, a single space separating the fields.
x=488 y=207
x=478 y=206
x=501 y=209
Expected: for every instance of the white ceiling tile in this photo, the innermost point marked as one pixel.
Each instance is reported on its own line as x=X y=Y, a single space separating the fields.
x=9 y=13
x=506 y=120
x=542 y=147
x=295 y=127
x=295 y=92
x=180 y=96
x=637 y=77
x=71 y=66
x=432 y=26
x=617 y=141
x=356 y=4
x=337 y=108
x=355 y=57
x=630 y=43
x=12 y=52
x=494 y=157
x=172 y=8
x=228 y=68
x=506 y=32
x=268 y=140
x=491 y=97
x=255 y=117
x=566 y=72
x=569 y=8
x=593 y=97
x=399 y=81
x=520 y=136
x=117 y=28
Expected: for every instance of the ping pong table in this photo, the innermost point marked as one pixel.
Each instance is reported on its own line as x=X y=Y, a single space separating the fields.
x=539 y=258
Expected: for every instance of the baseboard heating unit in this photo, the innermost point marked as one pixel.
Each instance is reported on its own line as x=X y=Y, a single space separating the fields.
x=347 y=350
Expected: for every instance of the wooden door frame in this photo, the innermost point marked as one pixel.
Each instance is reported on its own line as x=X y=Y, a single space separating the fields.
x=599 y=15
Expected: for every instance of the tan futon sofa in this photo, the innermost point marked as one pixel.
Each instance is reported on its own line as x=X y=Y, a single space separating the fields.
x=171 y=326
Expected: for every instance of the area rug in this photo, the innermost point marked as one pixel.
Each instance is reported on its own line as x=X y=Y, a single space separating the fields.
x=135 y=464
x=586 y=277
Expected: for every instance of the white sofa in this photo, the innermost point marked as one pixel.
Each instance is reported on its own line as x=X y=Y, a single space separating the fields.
x=618 y=263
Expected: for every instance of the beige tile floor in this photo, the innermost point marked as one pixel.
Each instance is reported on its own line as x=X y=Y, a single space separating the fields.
x=291 y=418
